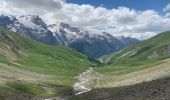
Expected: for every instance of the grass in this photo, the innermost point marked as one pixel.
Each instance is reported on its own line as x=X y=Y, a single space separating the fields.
x=136 y=57
x=64 y=63
x=61 y=62
x=42 y=58
x=27 y=88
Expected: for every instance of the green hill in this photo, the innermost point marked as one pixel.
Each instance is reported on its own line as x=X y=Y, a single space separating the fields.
x=31 y=65
x=40 y=57
x=144 y=54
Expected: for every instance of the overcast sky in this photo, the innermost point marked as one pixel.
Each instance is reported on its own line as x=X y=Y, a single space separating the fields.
x=119 y=20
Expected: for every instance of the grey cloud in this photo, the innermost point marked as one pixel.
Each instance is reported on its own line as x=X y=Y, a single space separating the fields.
x=43 y=4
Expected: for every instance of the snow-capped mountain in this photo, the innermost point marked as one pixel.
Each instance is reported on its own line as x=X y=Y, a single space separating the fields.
x=88 y=42
x=64 y=32
x=29 y=26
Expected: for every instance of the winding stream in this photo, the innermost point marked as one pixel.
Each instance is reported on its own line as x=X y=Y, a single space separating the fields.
x=83 y=81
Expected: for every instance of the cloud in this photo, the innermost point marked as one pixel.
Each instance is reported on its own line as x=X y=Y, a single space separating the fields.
x=40 y=4
x=117 y=21
x=167 y=8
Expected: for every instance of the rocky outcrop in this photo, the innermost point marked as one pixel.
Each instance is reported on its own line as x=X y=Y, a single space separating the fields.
x=153 y=55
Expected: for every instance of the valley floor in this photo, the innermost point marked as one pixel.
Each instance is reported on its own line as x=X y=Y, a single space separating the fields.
x=21 y=82
x=154 y=90
x=146 y=84
x=148 y=74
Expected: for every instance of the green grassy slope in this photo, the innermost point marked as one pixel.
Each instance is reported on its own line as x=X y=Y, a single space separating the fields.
x=38 y=65
x=43 y=58
x=142 y=55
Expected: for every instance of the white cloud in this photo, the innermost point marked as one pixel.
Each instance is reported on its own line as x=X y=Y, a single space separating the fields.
x=125 y=21
x=167 y=8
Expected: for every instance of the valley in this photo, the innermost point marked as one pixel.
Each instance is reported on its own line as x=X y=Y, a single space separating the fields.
x=85 y=50
x=39 y=70
x=32 y=69
x=91 y=43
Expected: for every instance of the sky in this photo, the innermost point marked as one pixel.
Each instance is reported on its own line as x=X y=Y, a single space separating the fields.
x=132 y=4
x=139 y=19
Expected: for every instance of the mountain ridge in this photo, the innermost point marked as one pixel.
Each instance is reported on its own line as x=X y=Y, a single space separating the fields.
x=33 y=27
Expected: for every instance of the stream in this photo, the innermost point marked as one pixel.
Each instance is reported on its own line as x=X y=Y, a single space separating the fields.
x=83 y=81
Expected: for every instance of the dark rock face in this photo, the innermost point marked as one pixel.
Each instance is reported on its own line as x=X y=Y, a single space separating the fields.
x=100 y=45
x=155 y=90
x=95 y=48
x=6 y=20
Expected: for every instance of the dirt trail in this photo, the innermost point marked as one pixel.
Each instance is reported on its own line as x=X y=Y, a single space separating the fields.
x=156 y=72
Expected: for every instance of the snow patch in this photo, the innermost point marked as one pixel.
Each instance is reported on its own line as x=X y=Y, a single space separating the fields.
x=27 y=22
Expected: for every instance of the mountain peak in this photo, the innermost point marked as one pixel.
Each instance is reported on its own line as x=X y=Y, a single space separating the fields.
x=64 y=25
x=31 y=21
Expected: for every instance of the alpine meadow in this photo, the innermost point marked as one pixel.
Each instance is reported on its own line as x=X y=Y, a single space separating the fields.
x=84 y=50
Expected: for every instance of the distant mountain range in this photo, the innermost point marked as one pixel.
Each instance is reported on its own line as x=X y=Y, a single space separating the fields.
x=88 y=42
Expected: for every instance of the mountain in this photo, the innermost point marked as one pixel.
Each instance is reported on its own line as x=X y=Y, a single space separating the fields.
x=29 y=26
x=91 y=43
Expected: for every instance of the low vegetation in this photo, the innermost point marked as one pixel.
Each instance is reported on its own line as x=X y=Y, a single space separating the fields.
x=144 y=54
x=34 y=66
x=30 y=68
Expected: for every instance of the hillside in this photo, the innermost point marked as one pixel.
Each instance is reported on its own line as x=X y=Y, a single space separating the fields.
x=137 y=72
x=141 y=55
x=34 y=68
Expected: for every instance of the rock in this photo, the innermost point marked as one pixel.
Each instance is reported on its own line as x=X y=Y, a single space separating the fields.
x=153 y=55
